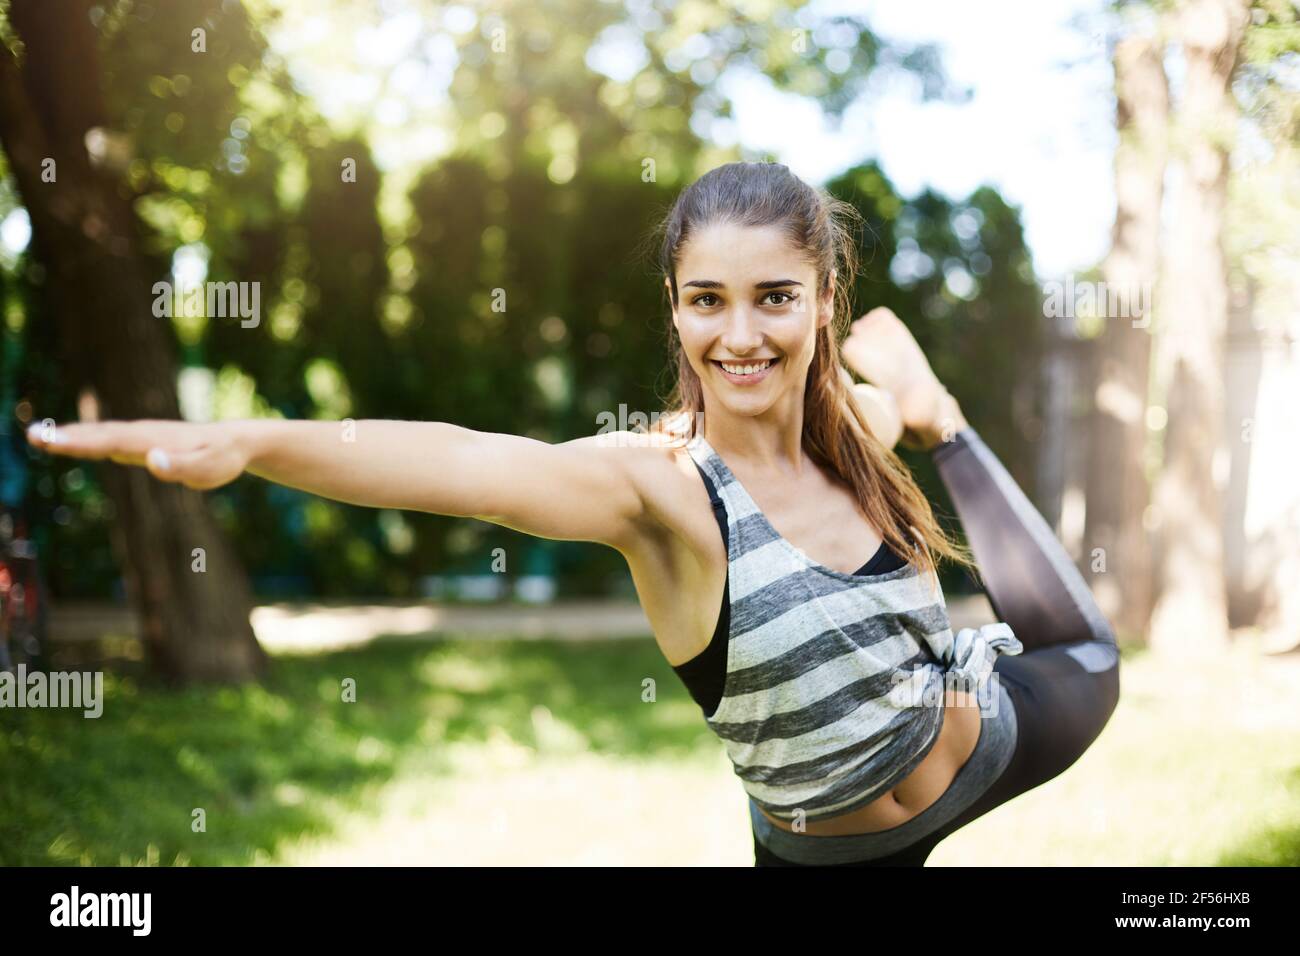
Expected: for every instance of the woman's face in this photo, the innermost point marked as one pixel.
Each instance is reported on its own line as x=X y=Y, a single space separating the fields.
x=747 y=314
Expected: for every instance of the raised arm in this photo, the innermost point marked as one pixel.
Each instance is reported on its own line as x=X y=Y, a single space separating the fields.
x=879 y=409
x=581 y=490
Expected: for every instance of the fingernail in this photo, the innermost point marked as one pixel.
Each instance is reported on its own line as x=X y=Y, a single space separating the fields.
x=46 y=432
x=158 y=459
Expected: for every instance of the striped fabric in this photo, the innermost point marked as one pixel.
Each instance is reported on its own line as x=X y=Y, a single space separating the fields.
x=834 y=683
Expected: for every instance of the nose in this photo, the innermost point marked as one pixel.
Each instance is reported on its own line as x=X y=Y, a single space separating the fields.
x=741 y=332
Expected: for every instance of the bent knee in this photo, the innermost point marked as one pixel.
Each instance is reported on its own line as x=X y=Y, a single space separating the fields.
x=1107 y=684
x=1101 y=662
x=1095 y=657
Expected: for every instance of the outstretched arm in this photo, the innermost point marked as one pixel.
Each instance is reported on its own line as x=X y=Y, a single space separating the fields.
x=581 y=490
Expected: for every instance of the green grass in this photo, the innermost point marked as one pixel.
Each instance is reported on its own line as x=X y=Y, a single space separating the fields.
x=520 y=752
x=287 y=759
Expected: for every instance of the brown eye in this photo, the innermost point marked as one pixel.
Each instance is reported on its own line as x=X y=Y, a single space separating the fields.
x=699 y=299
x=788 y=297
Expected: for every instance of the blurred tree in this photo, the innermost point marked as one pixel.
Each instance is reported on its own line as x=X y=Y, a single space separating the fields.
x=1117 y=490
x=60 y=141
x=1262 y=517
x=505 y=288
x=1191 y=602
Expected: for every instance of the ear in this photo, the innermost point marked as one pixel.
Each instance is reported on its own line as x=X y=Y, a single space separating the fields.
x=826 y=302
x=669 y=287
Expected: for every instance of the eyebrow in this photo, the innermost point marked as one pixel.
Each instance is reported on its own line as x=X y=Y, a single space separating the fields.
x=714 y=284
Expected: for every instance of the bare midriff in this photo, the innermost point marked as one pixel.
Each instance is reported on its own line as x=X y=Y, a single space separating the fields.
x=920 y=788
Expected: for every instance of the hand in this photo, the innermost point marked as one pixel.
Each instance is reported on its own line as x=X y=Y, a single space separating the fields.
x=198 y=455
x=880 y=348
x=860 y=350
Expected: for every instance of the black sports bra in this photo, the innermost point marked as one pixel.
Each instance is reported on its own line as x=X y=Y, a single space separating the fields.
x=705 y=673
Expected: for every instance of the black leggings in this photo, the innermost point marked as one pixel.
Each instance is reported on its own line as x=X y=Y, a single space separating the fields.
x=1065 y=684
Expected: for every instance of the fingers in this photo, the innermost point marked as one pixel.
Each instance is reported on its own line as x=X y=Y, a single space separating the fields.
x=92 y=440
x=859 y=326
x=184 y=453
x=876 y=314
x=869 y=320
x=159 y=464
x=200 y=469
x=170 y=451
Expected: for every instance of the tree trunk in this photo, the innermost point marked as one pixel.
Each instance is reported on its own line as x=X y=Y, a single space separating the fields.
x=195 y=623
x=1191 y=607
x=1117 y=494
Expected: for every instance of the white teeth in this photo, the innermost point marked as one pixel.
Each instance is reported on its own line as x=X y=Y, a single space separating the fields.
x=745 y=369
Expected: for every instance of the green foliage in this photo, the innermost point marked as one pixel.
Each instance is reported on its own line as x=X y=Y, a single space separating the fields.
x=507 y=290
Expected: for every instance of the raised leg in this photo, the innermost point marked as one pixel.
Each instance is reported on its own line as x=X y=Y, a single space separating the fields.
x=1065 y=685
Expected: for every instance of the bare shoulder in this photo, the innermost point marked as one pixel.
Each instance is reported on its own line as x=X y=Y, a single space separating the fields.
x=676 y=503
x=676 y=556
x=658 y=464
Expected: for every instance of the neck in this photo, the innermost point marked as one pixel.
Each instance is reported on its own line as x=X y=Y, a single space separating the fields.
x=771 y=441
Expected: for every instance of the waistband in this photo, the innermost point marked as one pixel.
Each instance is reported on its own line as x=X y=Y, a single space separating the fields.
x=992 y=754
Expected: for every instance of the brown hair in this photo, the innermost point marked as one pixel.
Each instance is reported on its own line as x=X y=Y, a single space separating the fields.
x=835 y=434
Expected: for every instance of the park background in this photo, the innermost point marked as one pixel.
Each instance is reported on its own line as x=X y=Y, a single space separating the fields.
x=382 y=170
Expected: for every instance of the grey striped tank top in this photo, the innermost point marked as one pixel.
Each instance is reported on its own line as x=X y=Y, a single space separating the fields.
x=834 y=682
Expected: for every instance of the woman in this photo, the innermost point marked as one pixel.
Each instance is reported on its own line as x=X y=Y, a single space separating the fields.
x=862 y=729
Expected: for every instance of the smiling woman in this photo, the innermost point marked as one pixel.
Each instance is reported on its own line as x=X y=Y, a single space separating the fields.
x=804 y=675
x=838 y=689
x=761 y=314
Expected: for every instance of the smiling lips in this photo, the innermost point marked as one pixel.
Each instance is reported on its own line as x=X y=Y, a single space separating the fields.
x=746 y=372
